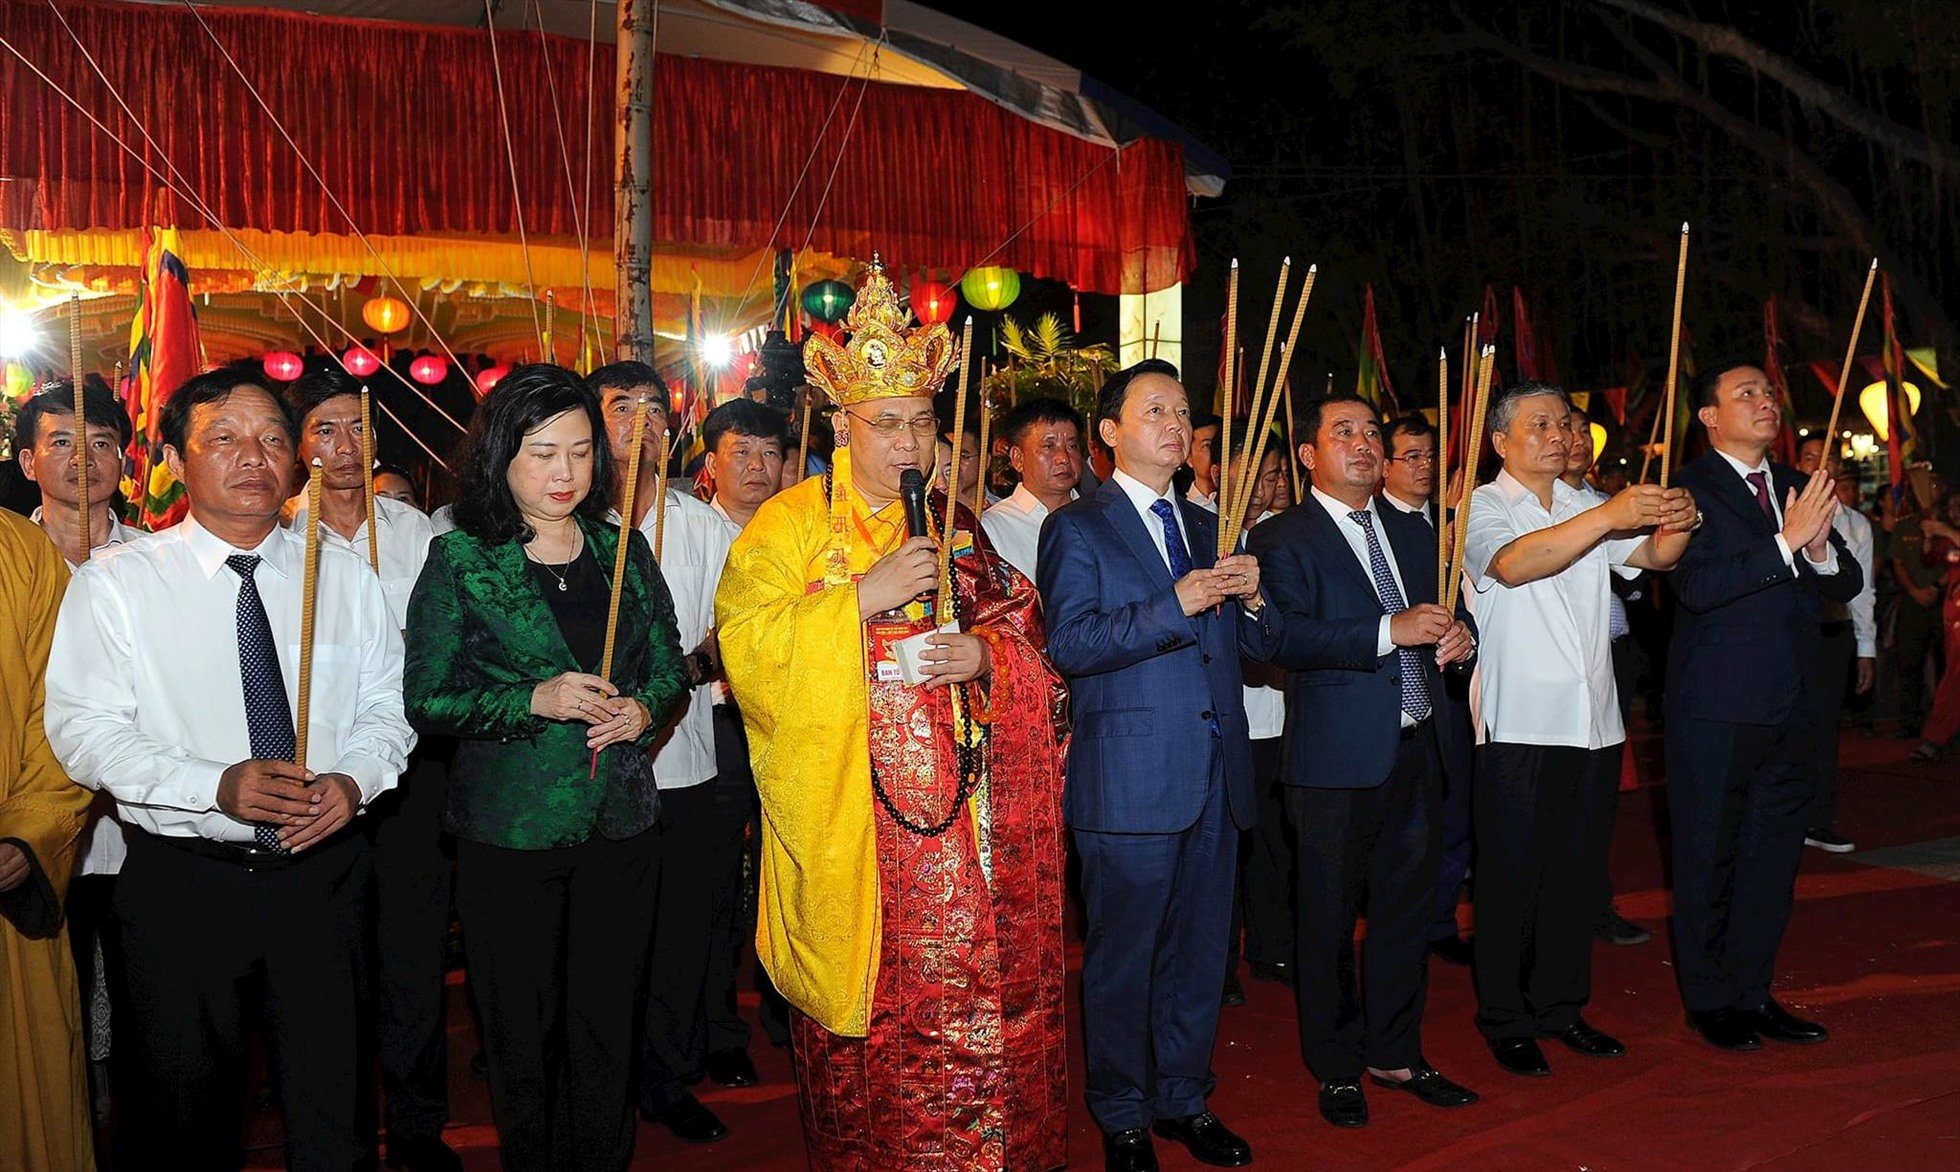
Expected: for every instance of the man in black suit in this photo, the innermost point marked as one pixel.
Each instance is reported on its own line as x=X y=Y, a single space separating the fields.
x=1363 y=636
x=1749 y=587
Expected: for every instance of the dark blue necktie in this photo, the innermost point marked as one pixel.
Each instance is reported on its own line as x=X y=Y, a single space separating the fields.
x=267 y=717
x=1415 y=689
x=1180 y=557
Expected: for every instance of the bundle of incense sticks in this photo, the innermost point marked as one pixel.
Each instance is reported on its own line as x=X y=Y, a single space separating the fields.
x=944 y=609
x=308 y=603
x=619 y=552
x=1473 y=451
x=1265 y=404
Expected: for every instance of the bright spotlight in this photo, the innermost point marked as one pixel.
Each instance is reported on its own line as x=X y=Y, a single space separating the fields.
x=717 y=350
x=18 y=337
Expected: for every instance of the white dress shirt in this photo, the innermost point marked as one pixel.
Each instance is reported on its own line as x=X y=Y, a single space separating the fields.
x=403 y=533
x=1208 y=501
x=1545 y=661
x=1617 y=624
x=1142 y=497
x=694 y=547
x=144 y=698
x=718 y=687
x=1357 y=539
x=1856 y=530
x=1397 y=503
x=443 y=520
x=1014 y=527
x=101 y=850
x=1265 y=705
x=1829 y=564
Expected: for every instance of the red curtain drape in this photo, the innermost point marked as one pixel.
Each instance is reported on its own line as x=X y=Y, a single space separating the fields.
x=402 y=123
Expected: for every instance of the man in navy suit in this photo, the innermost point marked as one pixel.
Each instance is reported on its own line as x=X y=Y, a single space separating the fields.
x=1748 y=588
x=1355 y=585
x=1148 y=626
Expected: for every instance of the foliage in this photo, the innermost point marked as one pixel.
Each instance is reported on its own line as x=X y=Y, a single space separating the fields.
x=1046 y=361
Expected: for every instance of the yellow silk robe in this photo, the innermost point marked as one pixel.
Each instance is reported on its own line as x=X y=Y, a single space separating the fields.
x=44 y=1118
x=795 y=661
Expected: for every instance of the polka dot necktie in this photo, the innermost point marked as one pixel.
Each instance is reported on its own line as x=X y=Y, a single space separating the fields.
x=267 y=717
x=1174 y=549
x=1415 y=690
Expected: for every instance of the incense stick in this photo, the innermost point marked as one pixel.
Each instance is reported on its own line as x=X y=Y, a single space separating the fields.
x=1265 y=423
x=1674 y=356
x=308 y=602
x=1223 y=479
x=367 y=477
x=986 y=454
x=619 y=551
x=1844 y=371
x=1438 y=489
x=1474 y=444
x=953 y=472
x=81 y=423
x=803 y=445
x=1653 y=442
x=660 y=496
x=1292 y=444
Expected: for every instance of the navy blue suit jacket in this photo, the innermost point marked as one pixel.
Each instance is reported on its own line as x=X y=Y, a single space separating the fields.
x=1145 y=680
x=1344 y=725
x=1747 y=628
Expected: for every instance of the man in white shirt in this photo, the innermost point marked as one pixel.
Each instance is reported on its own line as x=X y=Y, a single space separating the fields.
x=692 y=545
x=1537 y=554
x=1202 y=464
x=411 y=873
x=171 y=688
x=1044 y=447
x=1850 y=636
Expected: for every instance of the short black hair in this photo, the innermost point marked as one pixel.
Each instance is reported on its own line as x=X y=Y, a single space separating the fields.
x=520 y=403
x=1414 y=424
x=1504 y=405
x=1206 y=419
x=383 y=468
x=743 y=417
x=627 y=376
x=1306 y=427
x=99 y=409
x=215 y=386
x=1815 y=437
x=1701 y=391
x=1015 y=425
x=1109 y=401
x=315 y=387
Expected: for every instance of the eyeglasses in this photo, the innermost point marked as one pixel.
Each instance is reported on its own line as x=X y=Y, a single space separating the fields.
x=1416 y=458
x=924 y=426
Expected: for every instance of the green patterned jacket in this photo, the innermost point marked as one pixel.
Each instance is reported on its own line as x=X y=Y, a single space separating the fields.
x=480 y=637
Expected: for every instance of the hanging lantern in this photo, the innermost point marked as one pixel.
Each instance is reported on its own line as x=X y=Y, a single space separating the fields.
x=932 y=302
x=385 y=315
x=429 y=369
x=1871 y=401
x=1598 y=438
x=283 y=366
x=489 y=377
x=828 y=301
x=992 y=288
x=360 y=361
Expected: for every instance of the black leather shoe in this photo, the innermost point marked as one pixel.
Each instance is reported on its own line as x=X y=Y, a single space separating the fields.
x=1210 y=1141
x=422 y=1154
x=1234 y=994
x=1454 y=949
x=1427 y=1083
x=690 y=1121
x=1520 y=1056
x=1778 y=1024
x=731 y=1068
x=1614 y=928
x=1583 y=1039
x=1343 y=1105
x=1726 y=1029
x=1129 y=1151
x=1273 y=970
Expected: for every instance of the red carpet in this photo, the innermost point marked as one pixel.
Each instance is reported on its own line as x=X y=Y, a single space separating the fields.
x=1873 y=952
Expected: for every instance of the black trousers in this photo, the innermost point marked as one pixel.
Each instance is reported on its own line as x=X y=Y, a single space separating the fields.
x=92 y=925
x=733 y=893
x=557 y=942
x=1736 y=795
x=700 y=844
x=1543 y=817
x=1381 y=846
x=1915 y=631
x=199 y=936
x=412 y=876
x=1264 y=907
x=1824 y=689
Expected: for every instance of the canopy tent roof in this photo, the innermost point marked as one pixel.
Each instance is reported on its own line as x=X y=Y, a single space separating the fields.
x=778 y=125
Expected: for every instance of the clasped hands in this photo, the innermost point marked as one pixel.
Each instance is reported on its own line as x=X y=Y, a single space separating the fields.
x=1649 y=506
x=1807 y=515
x=576 y=695
x=307 y=807
x=1234 y=577
x=1427 y=623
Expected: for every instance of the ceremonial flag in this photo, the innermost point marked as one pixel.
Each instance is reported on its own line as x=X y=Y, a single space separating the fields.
x=1371 y=382
x=1785 y=448
x=1901 y=435
x=164 y=353
x=1523 y=344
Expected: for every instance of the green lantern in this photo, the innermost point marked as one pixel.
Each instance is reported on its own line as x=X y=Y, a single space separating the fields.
x=992 y=288
x=828 y=301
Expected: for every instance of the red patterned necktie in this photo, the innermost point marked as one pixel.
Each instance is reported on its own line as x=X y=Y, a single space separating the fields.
x=1760 y=482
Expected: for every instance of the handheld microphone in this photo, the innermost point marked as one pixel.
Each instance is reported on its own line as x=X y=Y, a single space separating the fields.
x=912 y=490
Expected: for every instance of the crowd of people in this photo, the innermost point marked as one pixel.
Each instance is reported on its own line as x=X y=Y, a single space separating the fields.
x=822 y=710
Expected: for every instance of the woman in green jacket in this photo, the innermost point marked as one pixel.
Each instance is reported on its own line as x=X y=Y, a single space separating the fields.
x=554 y=856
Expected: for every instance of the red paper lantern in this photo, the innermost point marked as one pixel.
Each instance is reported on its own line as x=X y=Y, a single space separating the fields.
x=429 y=369
x=932 y=302
x=489 y=377
x=360 y=361
x=283 y=366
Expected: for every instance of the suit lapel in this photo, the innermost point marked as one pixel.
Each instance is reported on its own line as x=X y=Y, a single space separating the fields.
x=1201 y=529
x=1129 y=526
x=1734 y=490
x=1333 y=547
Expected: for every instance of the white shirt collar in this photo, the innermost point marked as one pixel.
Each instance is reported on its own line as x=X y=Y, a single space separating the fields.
x=275 y=551
x=1514 y=490
x=1744 y=470
x=119 y=533
x=1140 y=493
x=1023 y=501
x=1339 y=510
x=1421 y=510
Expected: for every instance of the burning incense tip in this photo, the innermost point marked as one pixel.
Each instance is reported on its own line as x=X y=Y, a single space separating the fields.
x=1874 y=264
x=1684 y=227
x=1235 y=262
x=1314 y=268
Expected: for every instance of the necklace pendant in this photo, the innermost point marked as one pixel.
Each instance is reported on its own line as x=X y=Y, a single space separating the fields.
x=562 y=586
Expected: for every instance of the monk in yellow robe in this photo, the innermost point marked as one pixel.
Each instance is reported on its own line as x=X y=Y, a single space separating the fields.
x=912 y=861
x=44 y=1118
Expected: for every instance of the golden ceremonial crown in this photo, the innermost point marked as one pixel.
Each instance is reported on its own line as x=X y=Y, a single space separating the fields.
x=885 y=359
